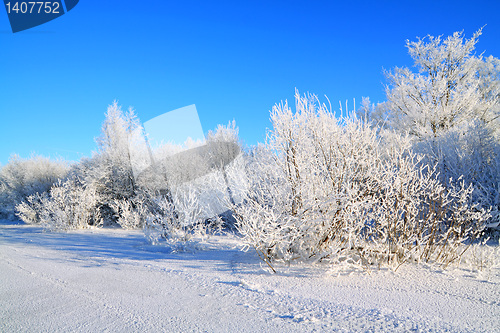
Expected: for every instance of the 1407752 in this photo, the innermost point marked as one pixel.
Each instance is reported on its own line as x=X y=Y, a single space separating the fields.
x=33 y=7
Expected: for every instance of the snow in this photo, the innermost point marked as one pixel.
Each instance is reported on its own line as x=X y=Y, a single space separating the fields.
x=112 y=280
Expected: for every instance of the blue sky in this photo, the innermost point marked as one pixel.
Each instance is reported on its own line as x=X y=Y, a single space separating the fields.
x=233 y=59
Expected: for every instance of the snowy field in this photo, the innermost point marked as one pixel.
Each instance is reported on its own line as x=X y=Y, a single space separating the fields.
x=112 y=281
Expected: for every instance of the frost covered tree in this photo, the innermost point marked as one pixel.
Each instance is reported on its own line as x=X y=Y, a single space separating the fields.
x=109 y=172
x=115 y=152
x=451 y=108
x=451 y=87
x=224 y=147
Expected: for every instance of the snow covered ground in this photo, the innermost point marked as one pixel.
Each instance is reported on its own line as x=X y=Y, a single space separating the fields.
x=112 y=280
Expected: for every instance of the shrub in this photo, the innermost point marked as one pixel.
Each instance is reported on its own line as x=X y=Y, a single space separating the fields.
x=68 y=205
x=326 y=188
x=21 y=178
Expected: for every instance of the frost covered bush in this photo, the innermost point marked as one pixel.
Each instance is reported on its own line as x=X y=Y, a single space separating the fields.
x=304 y=180
x=130 y=213
x=21 y=178
x=326 y=188
x=195 y=197
x=176 y=220
x=170 y=217
x=173 y=222
x=194 y=209
x=468 y=154
x=417 y=218
x=68 y=205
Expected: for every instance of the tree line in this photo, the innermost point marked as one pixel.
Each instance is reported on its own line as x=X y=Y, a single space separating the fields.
x=415 y=178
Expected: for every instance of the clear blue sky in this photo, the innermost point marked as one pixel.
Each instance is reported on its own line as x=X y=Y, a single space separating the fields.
x=233 y=59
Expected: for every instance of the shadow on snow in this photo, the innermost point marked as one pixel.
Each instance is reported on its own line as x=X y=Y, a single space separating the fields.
x=98 y=244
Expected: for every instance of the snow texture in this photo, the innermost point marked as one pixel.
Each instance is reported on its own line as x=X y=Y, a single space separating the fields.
x=113 y=280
